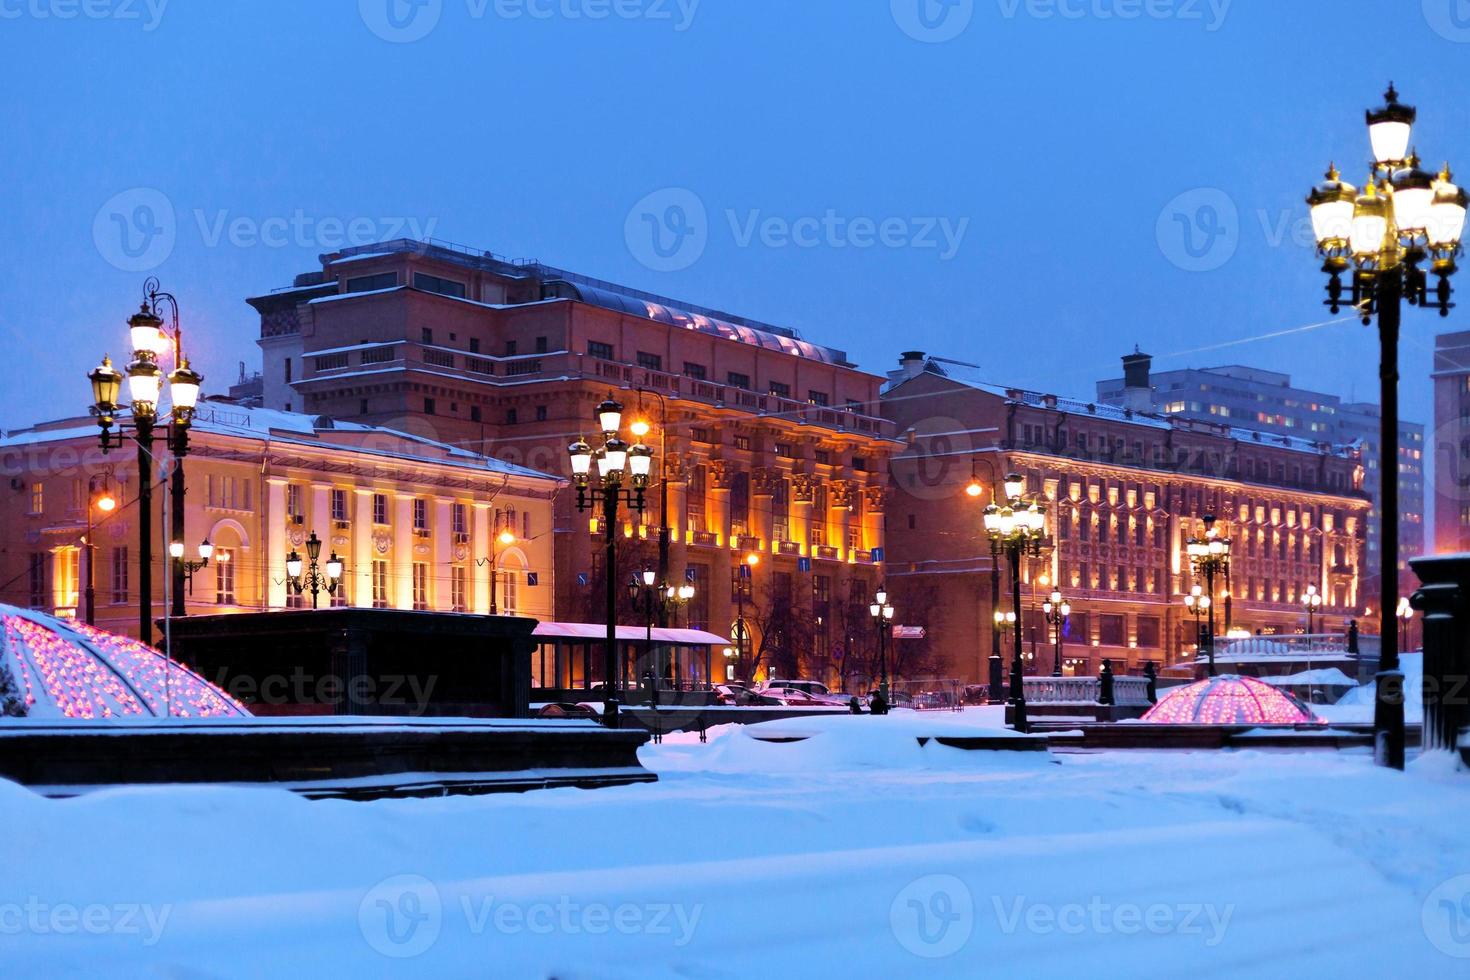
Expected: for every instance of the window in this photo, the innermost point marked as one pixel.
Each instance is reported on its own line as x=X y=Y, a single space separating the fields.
x=743 y=442
x=541 y=345
x=119 y=574
x=420 y=585
x=695 y=372
x=38 y=497
x=474 y=345
x=780 y=389
x=457 y=591
x=420 y=514
x=365 y=284
x=737 y=380
x=433 y=284
x=474 y=413
x=510 y=348
x=509 y=597
x=1110 y=631
x=853 y=405
x=380 y=508
x=362 y=408
x=785 y=449
x=339 y=504
x=295 y=509
x=38 y=580
x=510 y=416
x=224 y=577
x=327 y=362
x=428 y=406
x=457 y=519
x=824 y=456
x=380 y=585
x=701 y=435
x=599 y=350
x=651 y=362
x=818 y=398
x=319 y=365
x=426 y=335
x=540 y=413
x=228 y=492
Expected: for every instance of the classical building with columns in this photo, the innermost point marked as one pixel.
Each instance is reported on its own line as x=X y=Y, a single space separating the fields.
x=416 y=523
x=765 y=444
x=1124 y=491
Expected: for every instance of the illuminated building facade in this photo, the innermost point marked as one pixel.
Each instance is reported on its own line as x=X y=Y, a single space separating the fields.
x=1124 y=493
x=764 y=444
x=412 y=521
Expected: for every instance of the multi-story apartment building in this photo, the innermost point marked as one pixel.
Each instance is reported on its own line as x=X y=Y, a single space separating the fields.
x=1265 y=401
x=411 y=519
x=1451 y=442
x=765 y=444
x=1125 y=490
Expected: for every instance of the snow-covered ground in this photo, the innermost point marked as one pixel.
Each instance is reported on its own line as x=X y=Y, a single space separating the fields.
x=854 y=853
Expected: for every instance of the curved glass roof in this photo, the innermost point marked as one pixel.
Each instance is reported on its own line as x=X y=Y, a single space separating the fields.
x=1229 y=700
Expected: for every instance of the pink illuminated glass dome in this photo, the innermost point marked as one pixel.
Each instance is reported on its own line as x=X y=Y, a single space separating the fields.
x=57 y=668
x=1230 y=700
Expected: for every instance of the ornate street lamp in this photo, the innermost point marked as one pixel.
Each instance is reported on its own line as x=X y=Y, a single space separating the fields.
x=1405 y=615
x=1198 y=604
x=503 y=540
x=150 y=342
x=176 y=552
x=1312 y=603
x=616 y=463
x=996 y=674
x=1402 y=221
x=882 y=612
x=1057 y=609
x=312 y=578
x=1209 y=556
x=1014 y=530
x=99 y=497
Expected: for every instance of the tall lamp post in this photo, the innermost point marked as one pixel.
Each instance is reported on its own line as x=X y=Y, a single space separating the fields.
x=1209 y=556
x=996 y=675
x=144 y=380
x=1405 y=615
x=1198 y=604
x=882 y=613
x=176 y=552
x=503 y=540
x=103 y=500
x=616 y=462
x=1403 y=219
x=1014 y=530
x=675 y=598
x=646 y=584
x=1057 y=609
x=313 y=579
x=1312 y=603
x=640 y=428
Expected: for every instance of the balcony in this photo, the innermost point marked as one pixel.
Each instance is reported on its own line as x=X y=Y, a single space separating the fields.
x=788 y=548
x=324 y=366
x=707 y=539
x=826 y=552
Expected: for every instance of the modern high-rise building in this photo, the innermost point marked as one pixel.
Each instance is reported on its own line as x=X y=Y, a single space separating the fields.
x=766 y=446
x=1265 y=401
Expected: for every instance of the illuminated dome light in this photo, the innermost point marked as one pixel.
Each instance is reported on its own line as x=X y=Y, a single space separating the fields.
x=56 y=668
x=1230 y=700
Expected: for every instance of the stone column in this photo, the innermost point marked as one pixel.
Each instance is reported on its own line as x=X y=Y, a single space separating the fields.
x=274 y=559
x=763 y=492
x=402 y=586
x=361 y=570
x=480 y=554
x=801 y=511
x=678 y=478
x=442 y=593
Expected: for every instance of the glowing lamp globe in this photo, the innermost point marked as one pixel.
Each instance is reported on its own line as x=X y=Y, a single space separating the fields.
x=1332 y=203
x=1370 y=223
x=1390 y=127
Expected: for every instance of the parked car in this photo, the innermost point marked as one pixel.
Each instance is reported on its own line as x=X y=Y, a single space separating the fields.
x=977 y=693
x=815 y=688
x=565 y=709
x=740 y=695
x=932 y=700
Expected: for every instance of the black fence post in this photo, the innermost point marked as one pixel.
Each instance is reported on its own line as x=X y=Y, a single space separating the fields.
x=1152 y=673
x=1105 y=696
x=1442 y=600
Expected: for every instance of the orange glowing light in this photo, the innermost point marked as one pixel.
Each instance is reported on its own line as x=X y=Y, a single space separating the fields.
x=752 y=559
x=107 y=503
x=640 y=428
x=974 y=489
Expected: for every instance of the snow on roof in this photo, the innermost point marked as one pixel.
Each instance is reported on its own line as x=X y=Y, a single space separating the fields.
x=970 y=377
x=307 y=430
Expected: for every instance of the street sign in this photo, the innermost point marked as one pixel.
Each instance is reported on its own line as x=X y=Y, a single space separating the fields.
x=877 y=556
x=582 y=579
x=908 y=632
x=744 y=570
x=690 y=577
x=803 y=564
x=533 y=579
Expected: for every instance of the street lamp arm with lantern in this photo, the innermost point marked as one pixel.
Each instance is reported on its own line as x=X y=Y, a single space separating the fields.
x=1014 y=530
x=1384 y=236
x=312 y=578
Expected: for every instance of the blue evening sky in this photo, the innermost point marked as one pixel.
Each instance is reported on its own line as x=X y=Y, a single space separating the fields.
x=1017 y=195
